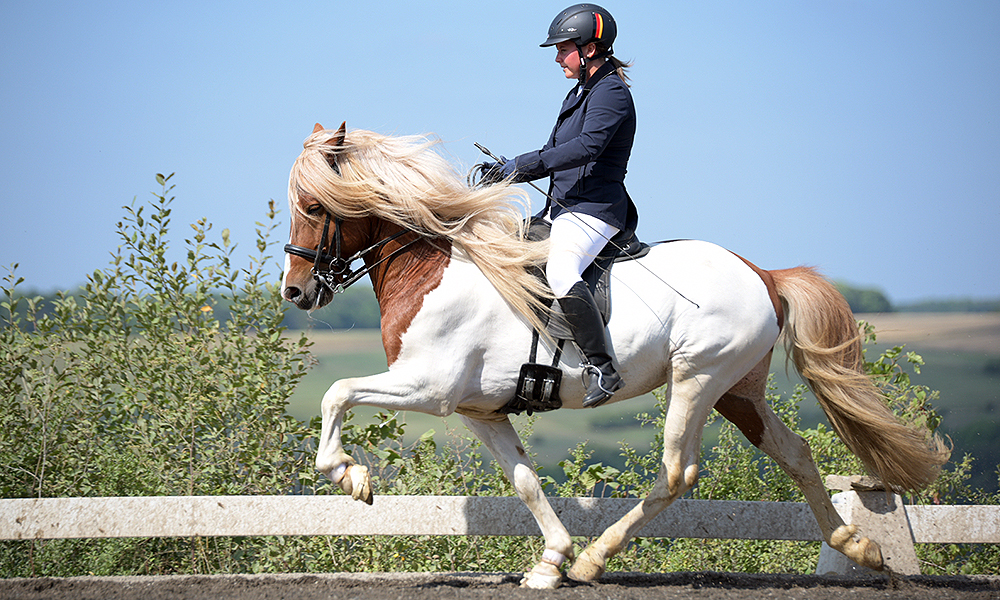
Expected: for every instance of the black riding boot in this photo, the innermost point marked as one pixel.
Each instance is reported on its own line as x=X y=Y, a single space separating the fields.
x=585 y=320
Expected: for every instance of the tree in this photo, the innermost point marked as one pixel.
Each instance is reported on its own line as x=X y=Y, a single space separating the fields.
x=865 y=300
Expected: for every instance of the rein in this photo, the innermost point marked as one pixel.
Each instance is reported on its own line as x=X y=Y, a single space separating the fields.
x=333 y=271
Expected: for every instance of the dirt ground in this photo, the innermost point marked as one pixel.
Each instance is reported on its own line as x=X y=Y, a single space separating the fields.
x=503 y=586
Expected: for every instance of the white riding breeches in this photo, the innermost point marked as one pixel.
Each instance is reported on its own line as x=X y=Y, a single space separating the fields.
x=575 y=241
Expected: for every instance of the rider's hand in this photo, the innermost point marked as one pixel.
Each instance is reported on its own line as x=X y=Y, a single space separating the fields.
x=491 y=173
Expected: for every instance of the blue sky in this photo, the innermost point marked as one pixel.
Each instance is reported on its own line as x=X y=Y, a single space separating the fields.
x=862 y=137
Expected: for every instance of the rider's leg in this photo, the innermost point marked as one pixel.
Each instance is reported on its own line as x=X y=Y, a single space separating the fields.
x=575 y=241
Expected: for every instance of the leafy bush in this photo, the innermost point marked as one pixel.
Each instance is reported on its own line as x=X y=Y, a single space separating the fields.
x=137 y=385
x=134 y=387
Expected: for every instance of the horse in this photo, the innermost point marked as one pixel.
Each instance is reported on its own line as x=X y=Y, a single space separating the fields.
x=458 y=292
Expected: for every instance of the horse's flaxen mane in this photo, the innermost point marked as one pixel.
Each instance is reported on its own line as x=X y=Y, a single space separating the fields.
x=404 y=181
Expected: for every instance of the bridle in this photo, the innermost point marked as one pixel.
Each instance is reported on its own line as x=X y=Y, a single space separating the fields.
x=334 y=271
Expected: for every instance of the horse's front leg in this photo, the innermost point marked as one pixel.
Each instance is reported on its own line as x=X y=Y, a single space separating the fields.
x=331 y=459
x=389 y=391
x=505 y=445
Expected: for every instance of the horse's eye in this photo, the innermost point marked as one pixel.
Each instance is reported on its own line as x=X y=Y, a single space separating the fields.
x=314 y=209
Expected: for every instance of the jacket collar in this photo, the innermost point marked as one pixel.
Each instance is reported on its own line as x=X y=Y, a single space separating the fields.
x=603 y=71
x=576 y=94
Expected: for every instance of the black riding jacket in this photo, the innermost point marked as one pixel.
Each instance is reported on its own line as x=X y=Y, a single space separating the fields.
x=587 y=153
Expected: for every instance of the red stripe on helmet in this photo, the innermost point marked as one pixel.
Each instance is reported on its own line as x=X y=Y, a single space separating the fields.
x=599 y=26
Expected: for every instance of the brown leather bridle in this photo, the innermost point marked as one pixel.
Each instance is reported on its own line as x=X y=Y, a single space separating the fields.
x=333 y=271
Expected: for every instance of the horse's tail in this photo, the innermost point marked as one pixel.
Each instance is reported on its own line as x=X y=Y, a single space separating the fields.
x=823 y=340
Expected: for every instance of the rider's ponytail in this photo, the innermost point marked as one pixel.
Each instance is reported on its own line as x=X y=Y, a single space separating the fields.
x=620 y=66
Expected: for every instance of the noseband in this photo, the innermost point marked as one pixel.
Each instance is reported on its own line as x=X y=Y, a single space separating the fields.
x=334 y=271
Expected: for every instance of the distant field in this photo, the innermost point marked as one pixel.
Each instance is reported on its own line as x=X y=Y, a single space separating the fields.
x=958 y=349
x=962 y=352
x=965 y=332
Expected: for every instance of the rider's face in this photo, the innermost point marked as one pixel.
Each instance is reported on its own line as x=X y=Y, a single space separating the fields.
x=569 y=59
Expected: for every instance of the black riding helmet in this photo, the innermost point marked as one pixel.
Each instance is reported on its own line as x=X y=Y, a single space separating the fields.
x=583 y=24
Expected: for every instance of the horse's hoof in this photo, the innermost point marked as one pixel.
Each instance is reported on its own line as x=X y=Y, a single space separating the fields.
x=585 y=569
x=864 y=552
x=543 y=576
x=870 y=554
x=358 y=483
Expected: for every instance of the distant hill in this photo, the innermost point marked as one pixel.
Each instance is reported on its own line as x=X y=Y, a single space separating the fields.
x=873 y=300
x=356 y=308
x=966 y=305
x=865 y=300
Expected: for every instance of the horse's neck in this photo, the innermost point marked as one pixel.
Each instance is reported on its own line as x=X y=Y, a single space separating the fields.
x=402 y=281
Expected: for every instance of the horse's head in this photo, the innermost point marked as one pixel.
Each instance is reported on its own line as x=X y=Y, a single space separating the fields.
x=323 y=243
x=401 y=207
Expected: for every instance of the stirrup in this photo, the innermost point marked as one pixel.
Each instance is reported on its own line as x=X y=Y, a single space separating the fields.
x=608 y=393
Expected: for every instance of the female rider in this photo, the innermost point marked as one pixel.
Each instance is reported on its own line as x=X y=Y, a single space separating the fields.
x=585 y=158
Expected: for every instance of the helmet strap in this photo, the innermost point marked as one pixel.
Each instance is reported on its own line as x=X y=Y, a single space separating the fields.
x=583 y=61
x=583 y=65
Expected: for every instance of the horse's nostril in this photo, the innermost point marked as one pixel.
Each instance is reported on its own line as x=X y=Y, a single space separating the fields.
x=291 y=293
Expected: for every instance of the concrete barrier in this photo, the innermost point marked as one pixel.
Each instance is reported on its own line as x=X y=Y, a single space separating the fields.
x=881 y=515
x=210 y=516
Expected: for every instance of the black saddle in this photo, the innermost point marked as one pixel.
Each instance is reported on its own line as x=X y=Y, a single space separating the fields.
x=538 y=384
x=622 y=247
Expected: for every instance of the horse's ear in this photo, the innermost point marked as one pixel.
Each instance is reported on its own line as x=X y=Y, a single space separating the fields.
x=336 y=141
x=338 y=138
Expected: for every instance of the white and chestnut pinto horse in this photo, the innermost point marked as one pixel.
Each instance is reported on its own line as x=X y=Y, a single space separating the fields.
x=449 y=271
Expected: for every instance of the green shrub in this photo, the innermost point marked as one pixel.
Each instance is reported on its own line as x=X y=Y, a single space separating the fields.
x=132 y=386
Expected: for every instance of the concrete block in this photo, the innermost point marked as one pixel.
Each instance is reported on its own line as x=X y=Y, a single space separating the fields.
x=881 y=517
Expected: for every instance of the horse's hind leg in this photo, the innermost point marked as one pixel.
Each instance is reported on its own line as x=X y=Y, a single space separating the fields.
x=745 y=406
x=505 y=445
x=690 y=402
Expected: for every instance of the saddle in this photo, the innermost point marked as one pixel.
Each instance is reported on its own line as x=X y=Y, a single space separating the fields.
x=538 y=384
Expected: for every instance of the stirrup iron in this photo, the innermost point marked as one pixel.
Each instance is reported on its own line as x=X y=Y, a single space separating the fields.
x=591 y=369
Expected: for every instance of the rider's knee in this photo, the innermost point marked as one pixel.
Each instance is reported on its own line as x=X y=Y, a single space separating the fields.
x=561 y=277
